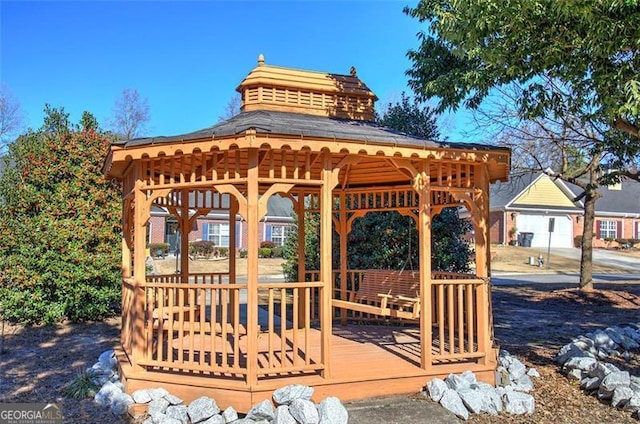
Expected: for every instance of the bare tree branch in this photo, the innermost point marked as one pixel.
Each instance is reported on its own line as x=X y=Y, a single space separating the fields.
x=131 y=114
x=11 y=117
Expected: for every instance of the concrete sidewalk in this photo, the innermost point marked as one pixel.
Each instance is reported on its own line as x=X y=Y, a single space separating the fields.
x=398 y=410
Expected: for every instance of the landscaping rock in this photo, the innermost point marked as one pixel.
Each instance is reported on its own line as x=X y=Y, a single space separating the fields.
x=634 y=404
x=157 y=406
x=456 y=382
x=285 y=395
x=621 y=396
x=304 y=411
x=283 y=416
x=436 y=388
x=533 y=373
x=108 y=360
x=141 y=396
x=202 y=409
x=332 y=411
x=120 y=404
x=451 y=401
x=582 y=363
x=261 y=411
x=179 y=412
x=516 y=369
x=216 y=419
x=519 y=403
x=523 y=384
x=615 y=380
x=590 y=383
x=157 y=393
x=230 y=414
x=173 y=400
x=106 y=394
x=472 y=399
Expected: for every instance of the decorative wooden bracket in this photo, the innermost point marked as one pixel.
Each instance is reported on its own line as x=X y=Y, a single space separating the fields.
x=275 y=188
x=233 y=191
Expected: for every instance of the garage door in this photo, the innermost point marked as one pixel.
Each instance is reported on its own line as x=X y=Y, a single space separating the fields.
x=562 y=235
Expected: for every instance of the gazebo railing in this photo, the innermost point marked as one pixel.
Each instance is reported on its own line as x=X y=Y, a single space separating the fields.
x=459 y=306
x=128 y=310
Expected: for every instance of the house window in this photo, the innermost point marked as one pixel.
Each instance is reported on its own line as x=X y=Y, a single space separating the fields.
x=279 y=233
x=218 y=234
x=608 y=229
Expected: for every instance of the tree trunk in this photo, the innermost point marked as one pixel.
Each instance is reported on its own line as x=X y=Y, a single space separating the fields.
x=586 y=260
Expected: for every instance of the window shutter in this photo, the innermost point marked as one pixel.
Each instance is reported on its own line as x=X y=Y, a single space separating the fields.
x=619 y=229
x=205 y=231
x=598 y=223
x=267 y=235
x=636 y=233
x=238 y=240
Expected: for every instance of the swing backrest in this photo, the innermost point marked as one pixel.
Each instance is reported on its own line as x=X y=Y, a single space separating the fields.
x=388 y=282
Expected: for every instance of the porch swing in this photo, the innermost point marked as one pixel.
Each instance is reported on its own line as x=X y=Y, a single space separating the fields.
x=386 y=292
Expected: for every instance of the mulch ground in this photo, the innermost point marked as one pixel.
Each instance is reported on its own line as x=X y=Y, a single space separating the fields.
x=532 y=322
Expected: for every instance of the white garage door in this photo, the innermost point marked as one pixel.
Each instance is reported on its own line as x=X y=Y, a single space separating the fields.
x=562 y=235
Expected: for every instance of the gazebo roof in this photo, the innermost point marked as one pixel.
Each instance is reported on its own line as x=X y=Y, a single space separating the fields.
x=303 y=125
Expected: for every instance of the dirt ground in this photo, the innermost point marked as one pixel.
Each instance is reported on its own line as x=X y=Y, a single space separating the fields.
x=532 y=322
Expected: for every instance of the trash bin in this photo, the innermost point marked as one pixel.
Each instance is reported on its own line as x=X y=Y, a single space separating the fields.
x=520 y=239
x=526 y=239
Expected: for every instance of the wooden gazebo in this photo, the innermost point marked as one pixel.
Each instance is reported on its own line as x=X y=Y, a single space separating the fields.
x=307 y=136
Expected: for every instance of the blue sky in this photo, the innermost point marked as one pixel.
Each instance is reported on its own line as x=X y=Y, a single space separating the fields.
x=187 y=58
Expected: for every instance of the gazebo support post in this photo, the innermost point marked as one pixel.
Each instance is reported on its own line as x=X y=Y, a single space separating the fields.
x=422 y=185
x=343 y=232
x=326 y=270
x=482 y=259
x=303 y=299
x=184 y=228
x=252 y=267
x=233 y=294
x=139 y=274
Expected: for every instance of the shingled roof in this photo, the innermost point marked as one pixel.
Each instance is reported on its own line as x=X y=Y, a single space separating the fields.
x=303 y=125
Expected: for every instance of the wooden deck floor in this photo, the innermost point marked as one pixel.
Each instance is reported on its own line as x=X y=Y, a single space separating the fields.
x=366 y=361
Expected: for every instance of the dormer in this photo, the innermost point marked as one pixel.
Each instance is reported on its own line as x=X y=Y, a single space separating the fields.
x=314 y=93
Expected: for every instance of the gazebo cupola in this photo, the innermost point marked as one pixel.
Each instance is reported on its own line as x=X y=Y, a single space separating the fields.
x=309 y=137
x=270 y=87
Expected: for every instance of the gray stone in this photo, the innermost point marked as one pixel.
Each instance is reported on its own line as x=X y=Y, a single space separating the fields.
x=599 y=370
x=455 y=382
x=634 y=383
x=283 y=416
x=519 y=403
x=469 y=376
x=533 y=373
x=157 y=406
x=581 y=363
x=108 y=360
x=157 y=393
x=202 y=409
x=502 y=376
x=575 y=374
x=285 y=395
x=436 y=388
x=173 y=400
x=179 y=412
x=492 y=402
x=332 y=411
x=304 y=411
x=230 y=414
x=590 y=383
x=261 y=411
x=216 y=419
x=451 y=401
x=601 y=339
x=523 y=384
x=120 y=404
x=567 y=352
x=621 y=397
x=106 y=394
x=148 y=421
x=615 y=380
x=472 y=399
x=634 y=404
x=141 y=396
x=163 y=419
x=516 y=369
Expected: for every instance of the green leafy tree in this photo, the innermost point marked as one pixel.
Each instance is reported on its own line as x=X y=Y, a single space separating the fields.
x=590 y=46
x=570 y=73
x=411 y=117
x=59 y=225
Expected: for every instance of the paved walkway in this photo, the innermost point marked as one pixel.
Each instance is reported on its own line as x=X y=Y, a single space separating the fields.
x=602 y=257
x=398 y=410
